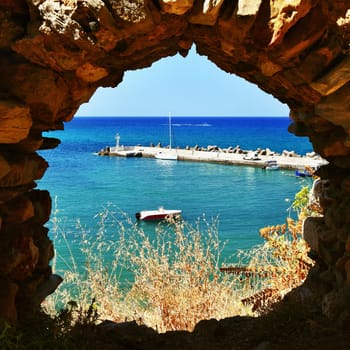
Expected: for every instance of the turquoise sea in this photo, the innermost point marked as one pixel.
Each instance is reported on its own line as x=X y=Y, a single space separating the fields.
x=244 y=199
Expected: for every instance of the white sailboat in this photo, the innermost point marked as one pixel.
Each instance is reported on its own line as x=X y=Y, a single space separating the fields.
x=167 y=154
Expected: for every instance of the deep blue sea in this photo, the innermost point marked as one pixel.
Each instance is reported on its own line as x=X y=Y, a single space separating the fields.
x=244 y=199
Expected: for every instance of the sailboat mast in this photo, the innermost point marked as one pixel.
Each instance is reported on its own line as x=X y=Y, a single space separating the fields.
x=170 y=130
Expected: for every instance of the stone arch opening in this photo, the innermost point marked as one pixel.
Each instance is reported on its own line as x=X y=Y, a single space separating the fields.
x=55 y=54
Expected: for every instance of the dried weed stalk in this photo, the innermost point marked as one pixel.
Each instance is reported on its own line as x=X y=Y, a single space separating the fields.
x=173 y=275
x=170 y=279
x=281 y=263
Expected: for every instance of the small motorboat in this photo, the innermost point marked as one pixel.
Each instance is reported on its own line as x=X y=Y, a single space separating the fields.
x=159 y=214
x=271 y=165
x=308 y=171
x=302 y=173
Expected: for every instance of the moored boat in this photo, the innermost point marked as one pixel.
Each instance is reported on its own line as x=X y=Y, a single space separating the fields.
x=302 y=173
x=271 y=165
x=166 y=155
x=158 y=214
x=308 y=171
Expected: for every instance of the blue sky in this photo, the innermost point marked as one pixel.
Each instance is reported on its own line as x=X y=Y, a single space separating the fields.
x=191 y=86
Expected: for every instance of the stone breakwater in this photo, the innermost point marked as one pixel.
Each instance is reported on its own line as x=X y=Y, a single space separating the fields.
x=229 y=156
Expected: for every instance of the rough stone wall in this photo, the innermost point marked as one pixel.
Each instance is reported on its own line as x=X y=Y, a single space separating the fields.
x=55 y=53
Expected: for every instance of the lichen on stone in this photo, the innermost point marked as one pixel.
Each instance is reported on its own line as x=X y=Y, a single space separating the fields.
x=59 y=16
x=129 y=10
x=344 y=20
x=344 y=24
x=56 y=15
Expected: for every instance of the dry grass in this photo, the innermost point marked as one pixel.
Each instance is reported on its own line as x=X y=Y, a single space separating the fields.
x=174 y=275
x=177 y=277
x=282 y=262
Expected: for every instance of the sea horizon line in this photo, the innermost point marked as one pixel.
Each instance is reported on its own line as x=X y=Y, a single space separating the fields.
x=179 y=116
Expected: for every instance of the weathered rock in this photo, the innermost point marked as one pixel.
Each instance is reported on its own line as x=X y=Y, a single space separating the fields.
x=47 y=287
x=347 y=271
x=18 y=210
x=304 y=33
x=30 y=144
x=19 y=257
x=15 y=122
x=333 y=80
x=42 y=205
x=312 y=227
x=347 y=245
x=9 y=193
x=331 y=109
x=24 y=169
x=206 y=13
x=284 y=15
x=46 y=253
x=335 y=304
x=211 y=148
x=8 y=291
x=248 y=8
x=176 y=7
x=129 y=332
x=5 y=167
x=49 y=143
x=55 y=54
x=91 y=73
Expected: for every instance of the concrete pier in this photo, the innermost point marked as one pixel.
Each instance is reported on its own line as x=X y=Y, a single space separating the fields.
x=286 y=160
